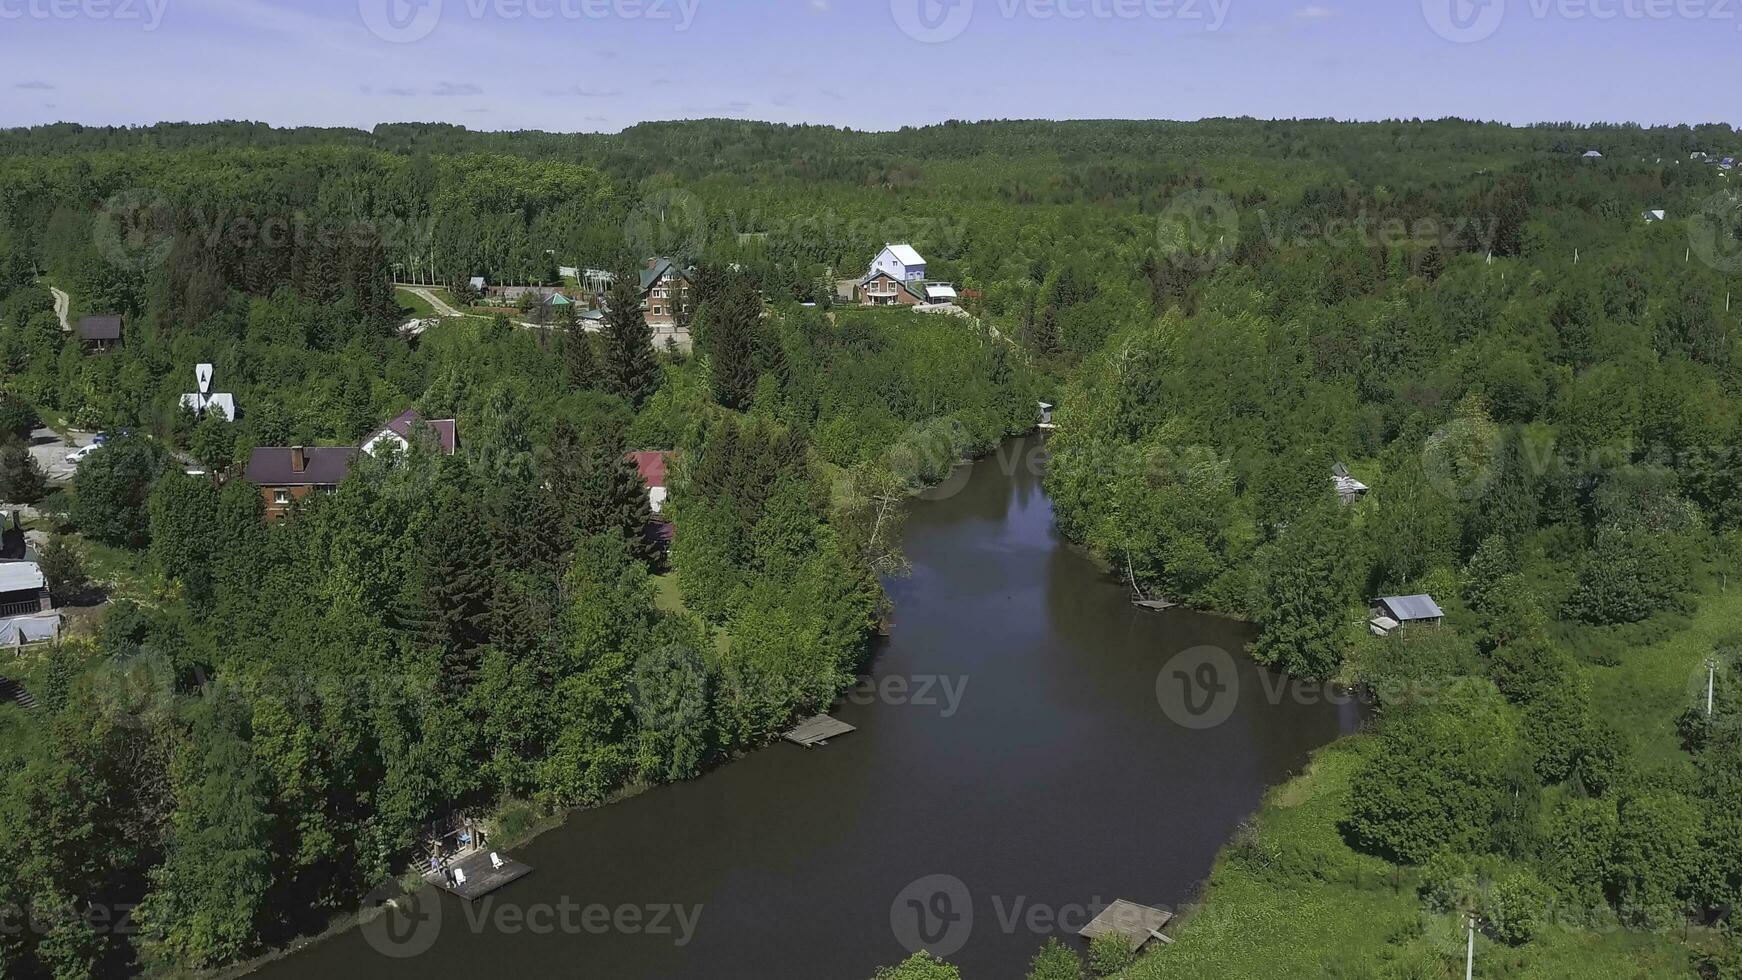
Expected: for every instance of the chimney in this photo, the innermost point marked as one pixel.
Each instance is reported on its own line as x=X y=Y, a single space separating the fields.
x=298 y=460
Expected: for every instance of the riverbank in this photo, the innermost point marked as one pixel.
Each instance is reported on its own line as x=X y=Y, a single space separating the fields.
x=1290 y=897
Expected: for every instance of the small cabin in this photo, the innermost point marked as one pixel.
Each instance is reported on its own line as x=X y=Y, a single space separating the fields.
x=1046 y=422
x=1393 y=613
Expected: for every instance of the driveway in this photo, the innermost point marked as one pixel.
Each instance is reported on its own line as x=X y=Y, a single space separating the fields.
x=51 y=450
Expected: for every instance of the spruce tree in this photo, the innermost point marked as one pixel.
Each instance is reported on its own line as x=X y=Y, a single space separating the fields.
x=732 y=344
x=630 y=371
x=579 y=364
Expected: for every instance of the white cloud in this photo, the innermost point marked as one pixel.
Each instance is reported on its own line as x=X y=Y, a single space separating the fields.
x=1314 y=12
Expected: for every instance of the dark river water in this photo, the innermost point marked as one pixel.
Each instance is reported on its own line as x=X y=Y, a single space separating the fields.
x=1026 y=757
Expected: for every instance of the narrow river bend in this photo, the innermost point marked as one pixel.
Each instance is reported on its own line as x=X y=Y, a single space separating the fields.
x=1016 y=768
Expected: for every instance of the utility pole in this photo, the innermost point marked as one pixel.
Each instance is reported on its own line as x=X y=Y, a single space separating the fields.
x=1711 y=684
x=1470 y=956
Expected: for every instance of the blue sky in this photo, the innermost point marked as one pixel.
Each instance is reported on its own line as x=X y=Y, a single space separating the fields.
x=600 y=65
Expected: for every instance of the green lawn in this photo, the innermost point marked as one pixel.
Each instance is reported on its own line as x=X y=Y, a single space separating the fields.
x=1655 y=684
x=669 y=598
x=413 y=305
x=1291 y=899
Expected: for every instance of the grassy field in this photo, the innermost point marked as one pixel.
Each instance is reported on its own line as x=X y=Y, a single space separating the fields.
x=1289 y=898
x=413 y=305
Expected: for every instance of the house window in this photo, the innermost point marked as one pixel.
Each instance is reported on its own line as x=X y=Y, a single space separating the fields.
x=281 y=497
x=659 y=311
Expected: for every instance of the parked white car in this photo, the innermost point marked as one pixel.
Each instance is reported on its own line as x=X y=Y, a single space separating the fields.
x=78 y=456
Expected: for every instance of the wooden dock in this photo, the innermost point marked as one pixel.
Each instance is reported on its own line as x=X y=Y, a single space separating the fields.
x=1155 y=605
x=817 y=731
x=481 y=876
x=1136 y=924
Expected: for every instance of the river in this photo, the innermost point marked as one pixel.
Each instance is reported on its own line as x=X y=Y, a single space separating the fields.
x=1021 y=756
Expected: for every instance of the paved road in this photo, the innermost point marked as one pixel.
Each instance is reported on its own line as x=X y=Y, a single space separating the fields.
x=62 y=303
x=50 y=451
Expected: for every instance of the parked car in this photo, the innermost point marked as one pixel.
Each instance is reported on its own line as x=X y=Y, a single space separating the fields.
x=78 y=456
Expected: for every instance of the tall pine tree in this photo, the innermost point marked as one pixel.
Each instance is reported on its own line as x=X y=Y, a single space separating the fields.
x=630 y=371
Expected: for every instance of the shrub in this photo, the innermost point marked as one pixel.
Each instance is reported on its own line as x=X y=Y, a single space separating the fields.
x=64 y=569
x=1516 y=908
x=16 y=417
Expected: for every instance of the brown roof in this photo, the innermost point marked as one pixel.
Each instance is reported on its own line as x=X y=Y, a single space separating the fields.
x=327 y=466
x=446 y=430
x=99 y=328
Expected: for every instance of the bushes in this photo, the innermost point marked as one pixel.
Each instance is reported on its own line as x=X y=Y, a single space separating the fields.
x=113 y=484
x=17 y=418
x=1437 y=778
x=1631 y=575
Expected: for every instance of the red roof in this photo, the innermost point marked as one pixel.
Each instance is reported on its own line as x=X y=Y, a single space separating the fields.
x=652 y=467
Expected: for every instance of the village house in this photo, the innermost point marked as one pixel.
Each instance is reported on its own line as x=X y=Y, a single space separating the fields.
x=399 y=432
x=100 y=333
x=1349 y=489
x=652 y=467
x=897 y=278
x=1395 y=612
x=287 y=474
x=664 y=292
x=26 y=612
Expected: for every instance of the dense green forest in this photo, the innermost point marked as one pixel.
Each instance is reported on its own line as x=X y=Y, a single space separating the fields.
x=1538 y=383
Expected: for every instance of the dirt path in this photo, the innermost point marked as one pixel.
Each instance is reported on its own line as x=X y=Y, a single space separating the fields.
x=62 y=303
x=435 y=303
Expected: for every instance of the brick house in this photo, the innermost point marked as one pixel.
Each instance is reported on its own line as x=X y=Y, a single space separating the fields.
x=287 y=474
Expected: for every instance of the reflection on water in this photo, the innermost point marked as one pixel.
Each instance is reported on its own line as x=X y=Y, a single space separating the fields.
x=1019 y=754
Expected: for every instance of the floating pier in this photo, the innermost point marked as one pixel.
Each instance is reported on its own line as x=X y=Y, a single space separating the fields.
x=476 y=875
x=817 y=731
x=1136 y=924
x=1155 y=605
